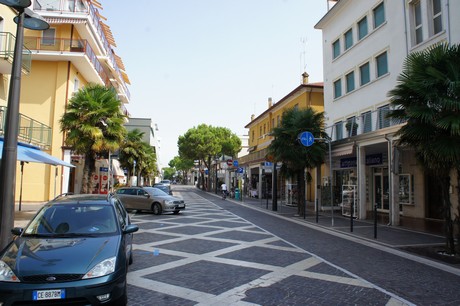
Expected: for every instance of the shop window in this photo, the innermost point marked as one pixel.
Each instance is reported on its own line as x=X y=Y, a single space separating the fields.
x=406 y=190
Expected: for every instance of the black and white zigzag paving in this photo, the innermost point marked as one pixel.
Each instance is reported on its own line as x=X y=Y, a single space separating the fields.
x=207 y=255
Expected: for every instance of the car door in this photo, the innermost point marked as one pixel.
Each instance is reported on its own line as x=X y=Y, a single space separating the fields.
x=127 y=197
x=123 y=220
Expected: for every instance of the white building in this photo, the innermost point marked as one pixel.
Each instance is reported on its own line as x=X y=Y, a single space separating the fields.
x=365 y=43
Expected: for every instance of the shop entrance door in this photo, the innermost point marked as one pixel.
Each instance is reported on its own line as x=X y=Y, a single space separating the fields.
x=381 y=189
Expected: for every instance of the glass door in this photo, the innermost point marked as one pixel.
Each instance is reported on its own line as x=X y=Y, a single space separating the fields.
x=381 y=189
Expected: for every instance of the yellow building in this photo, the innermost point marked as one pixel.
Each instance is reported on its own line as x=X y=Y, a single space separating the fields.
x=77 y=49
x=258 y=168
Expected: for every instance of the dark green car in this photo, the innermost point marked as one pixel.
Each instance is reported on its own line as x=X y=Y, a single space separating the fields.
x=76 y=249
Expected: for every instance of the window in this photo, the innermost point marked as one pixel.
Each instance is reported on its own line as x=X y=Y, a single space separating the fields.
x=265 y=131
x=418 y=29
x=364 y=74
x=437 y=16
x=379 y=15
x=278 y=120
x=367 y=122
x=362 y=28
x=273 y=124
x=348 y=37
x=260 y=131
x=383 y=120
x=335 y=48
x=382 y=64
x=48 y=37
x=337 y=88
x=351 y=126
x=338 y=130
x=350 y=79
x=76 y=84
x=253 y=136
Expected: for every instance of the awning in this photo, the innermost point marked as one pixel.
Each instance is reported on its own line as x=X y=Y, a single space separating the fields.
x=344 y=150
x=33 y=154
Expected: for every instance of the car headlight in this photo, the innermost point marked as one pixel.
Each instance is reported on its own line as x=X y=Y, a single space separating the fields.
x=6 y=274
x=169 y=202
x=103 y=268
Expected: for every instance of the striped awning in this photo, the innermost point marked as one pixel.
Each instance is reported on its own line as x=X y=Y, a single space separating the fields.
x=54 y=20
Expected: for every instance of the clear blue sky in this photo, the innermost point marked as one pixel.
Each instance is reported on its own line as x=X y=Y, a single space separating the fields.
x=212 y=61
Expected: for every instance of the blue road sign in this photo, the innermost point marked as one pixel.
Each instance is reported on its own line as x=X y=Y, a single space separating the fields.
x=240 y=170
x=306 y=138
x=235 y=163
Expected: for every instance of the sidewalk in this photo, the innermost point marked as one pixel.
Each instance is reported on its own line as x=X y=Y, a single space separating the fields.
x=408 y=235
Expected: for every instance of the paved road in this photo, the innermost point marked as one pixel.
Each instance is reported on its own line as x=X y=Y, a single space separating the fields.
x=227 y=253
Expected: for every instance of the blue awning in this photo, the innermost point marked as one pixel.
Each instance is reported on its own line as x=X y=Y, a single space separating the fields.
x=33 y=154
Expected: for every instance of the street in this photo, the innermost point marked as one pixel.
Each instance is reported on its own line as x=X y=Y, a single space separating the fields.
x=220 y=252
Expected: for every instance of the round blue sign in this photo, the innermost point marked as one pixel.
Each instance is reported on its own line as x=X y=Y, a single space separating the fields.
x=306 y=139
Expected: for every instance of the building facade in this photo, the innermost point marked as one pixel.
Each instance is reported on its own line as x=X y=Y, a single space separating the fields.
x=365 y=44
x=77 y=49
x=259 y=170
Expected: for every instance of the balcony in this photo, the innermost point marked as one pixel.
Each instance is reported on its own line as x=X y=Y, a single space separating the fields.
x=51 y=9
x=30 y=130
x=7 y=41
x=365 y=123
x=78 y=51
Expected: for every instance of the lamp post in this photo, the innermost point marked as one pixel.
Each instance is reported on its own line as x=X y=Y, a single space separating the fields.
x=23 y=20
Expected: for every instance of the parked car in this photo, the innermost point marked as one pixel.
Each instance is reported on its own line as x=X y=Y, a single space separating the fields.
x=149 y=198
x=166 y=182
x=76 y=249
x=165 y=188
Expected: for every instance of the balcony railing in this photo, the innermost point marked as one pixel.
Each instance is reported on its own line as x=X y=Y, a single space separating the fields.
x=7 y=42
x=67 y=45
x=365 y=123
x=80 y=6
x=30 y=130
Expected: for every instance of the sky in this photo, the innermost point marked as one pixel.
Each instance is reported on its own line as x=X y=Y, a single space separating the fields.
x=212 y=61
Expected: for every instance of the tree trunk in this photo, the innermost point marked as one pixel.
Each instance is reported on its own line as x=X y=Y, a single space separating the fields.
x=457 y=218
x=448 y=227
x=300 y=193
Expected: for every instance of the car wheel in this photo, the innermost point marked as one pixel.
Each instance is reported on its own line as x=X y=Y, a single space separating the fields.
x=156 y=208
x=176 y=212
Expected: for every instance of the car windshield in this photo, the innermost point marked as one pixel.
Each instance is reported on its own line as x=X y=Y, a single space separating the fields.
x=70 y=219
x=155 y=191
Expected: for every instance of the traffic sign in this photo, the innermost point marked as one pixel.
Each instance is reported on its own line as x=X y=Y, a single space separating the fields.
x=306 y=139
x=235 y=163
x=240 y=170
x=229 y=162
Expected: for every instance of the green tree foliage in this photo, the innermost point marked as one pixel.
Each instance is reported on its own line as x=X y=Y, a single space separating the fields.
x=295 y=157
x=427 y=98
x=168 y=173
x=206 y=142
x=183 y=166
x=93 y=126
x=138 y=156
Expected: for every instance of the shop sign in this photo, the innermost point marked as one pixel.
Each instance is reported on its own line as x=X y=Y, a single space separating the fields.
x=349 y=162
x=374 y=159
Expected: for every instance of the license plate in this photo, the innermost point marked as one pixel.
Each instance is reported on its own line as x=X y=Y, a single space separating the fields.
x=181 y=206
x=55 y=294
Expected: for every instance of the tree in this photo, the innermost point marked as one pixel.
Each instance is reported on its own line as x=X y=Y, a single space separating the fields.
x=295 y=157
x=427 y=98
x=93 y=126
x=138 y=156
x=205 y=143
x=183 y=165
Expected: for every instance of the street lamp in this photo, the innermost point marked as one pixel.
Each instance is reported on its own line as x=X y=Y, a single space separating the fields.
x=32 y=21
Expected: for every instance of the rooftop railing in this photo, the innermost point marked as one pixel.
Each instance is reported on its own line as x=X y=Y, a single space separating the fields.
x=30 y=131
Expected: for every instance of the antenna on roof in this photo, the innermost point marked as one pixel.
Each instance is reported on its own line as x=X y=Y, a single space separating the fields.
x=303 y=64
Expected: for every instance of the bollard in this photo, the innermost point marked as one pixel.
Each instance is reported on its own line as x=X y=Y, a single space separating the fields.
x=375 y=221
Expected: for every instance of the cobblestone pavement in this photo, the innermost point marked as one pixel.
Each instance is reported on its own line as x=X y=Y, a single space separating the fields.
x=214 y=255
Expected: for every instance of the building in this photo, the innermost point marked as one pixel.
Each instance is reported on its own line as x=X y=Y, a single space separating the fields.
x=77 y=49
x=365 y=44
x=257 y=168
x=150 y=136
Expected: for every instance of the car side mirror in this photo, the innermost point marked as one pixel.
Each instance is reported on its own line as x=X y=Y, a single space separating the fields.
x=147 y=195
x=131 y=229
x=17 y=231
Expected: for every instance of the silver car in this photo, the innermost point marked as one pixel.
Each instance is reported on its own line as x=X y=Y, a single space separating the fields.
x=149 y=198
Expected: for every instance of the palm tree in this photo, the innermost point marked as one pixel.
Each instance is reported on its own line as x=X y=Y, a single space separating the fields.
x=93 y=126
x=427 y=97
x=295 y=157
x=130 y=150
